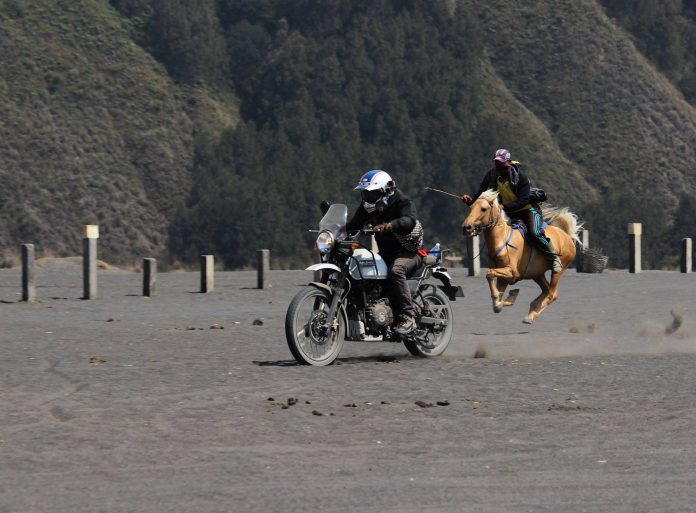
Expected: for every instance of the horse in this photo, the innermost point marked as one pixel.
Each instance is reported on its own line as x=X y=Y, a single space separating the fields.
x=513 y=258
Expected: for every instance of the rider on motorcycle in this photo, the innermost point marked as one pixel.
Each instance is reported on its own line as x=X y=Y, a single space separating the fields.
x=399 y=237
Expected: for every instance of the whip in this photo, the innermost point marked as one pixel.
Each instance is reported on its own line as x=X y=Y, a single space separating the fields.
x=458 y=196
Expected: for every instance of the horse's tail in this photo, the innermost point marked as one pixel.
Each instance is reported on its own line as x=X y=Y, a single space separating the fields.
x=564 y=219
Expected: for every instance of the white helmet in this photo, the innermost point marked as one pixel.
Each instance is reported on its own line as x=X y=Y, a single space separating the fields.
x=375 y=187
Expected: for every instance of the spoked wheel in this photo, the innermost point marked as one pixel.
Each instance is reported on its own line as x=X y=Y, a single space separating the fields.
x=310 y=339
x=429 y=340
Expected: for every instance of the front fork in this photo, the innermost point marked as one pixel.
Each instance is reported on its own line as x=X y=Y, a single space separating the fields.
x=331 y=321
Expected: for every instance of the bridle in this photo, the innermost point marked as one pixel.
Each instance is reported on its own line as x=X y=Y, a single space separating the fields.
x=491 y=223
x=493 y=220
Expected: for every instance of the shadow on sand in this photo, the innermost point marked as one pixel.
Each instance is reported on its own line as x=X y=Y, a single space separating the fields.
x=338 y=361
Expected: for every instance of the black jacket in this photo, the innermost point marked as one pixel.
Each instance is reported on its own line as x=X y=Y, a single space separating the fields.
x=400 y=212
x=519 y=184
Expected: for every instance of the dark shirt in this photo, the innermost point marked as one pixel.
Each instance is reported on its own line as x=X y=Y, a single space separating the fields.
x=519 y=185
x=400 y=212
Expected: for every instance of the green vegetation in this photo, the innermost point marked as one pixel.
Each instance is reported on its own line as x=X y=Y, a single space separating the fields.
x=219 y=125
x=92 y=130
x=339 y=96
x=665 y=32
x=611 y=113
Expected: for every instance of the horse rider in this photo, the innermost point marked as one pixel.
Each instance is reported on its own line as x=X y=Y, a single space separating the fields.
x=513 y=189
x=399 y=237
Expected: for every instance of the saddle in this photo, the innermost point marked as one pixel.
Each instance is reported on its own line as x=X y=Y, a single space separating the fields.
x=523 y=229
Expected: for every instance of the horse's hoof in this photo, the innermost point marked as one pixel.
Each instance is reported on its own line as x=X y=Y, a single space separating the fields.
x=497 y=309
x=528 y=320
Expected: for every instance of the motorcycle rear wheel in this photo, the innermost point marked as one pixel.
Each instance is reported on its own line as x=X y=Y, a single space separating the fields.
x=303 y=328
x=440 y=307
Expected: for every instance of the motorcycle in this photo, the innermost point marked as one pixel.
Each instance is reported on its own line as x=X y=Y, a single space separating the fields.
x=350 y=300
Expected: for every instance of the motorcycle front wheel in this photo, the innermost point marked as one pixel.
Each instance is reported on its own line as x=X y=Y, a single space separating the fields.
x=309 y=340
x=428 y=342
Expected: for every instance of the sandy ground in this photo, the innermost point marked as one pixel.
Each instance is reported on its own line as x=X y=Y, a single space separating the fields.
x=133 y=404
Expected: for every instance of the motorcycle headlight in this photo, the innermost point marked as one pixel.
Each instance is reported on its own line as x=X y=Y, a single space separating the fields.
x=325 y=242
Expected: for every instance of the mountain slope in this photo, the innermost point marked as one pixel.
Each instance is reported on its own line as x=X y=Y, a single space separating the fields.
x=93 y=131
x=512 y=125
x=622 y=122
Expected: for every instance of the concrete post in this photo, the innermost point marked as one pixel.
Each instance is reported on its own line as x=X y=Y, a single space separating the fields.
x=90 y=234
x=263 y=265
x=686 y=255
x=472 y=248
x=584 y=236
x=635 y=230
x=149 y=276
x=28 y=277
x=207 y=273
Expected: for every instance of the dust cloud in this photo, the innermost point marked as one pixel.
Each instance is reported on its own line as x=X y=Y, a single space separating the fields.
x=588 y=337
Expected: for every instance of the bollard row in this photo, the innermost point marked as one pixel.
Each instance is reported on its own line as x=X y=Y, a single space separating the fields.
x=90 y=234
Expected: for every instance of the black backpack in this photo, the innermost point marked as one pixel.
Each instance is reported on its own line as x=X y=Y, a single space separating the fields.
x=537 y=195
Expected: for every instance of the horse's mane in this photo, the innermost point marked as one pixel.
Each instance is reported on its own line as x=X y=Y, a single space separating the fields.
x=491 y=195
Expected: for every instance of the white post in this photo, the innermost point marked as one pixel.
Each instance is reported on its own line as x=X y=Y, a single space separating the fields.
x=149 y=276
x=90 y=234
x=263 y=265
x=472 y=248
x=584 y=236
x=635 y=230
x=207 y=273
x=686 y=255
x=28 y=276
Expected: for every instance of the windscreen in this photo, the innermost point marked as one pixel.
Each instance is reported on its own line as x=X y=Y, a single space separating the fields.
x=335 y=219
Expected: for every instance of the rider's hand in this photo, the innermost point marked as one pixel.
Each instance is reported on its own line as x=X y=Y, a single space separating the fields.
x=384 y=227
x=467 y=199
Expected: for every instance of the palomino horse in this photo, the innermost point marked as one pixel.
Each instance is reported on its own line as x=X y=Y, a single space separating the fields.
x=513 y=258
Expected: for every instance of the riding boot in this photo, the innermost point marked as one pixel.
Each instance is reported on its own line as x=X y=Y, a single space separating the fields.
x=553 y=256
x=405 y=324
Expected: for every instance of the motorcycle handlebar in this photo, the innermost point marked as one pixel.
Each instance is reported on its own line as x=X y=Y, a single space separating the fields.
x=364 y=231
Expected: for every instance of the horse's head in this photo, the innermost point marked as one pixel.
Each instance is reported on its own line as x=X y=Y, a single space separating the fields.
x=484 y=213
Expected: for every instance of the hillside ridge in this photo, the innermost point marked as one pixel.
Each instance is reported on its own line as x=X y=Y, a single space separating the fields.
x=107 y=118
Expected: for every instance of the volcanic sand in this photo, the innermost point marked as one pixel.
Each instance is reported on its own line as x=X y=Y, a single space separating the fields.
x=183 y=403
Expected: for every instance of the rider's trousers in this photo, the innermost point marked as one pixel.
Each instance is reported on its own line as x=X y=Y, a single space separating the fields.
x=533 y=221
x=403 y=266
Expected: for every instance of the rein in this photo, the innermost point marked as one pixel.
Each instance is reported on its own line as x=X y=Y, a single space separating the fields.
x=493 y=221
x=506 y=243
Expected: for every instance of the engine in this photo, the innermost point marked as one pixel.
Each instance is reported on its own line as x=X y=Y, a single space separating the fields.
x=379 y=315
